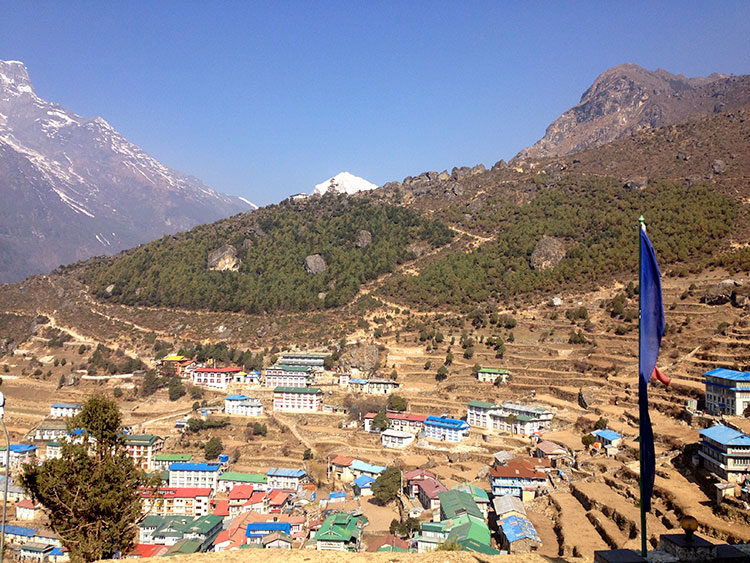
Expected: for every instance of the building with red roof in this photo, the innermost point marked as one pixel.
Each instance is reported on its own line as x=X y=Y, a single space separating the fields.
x=27 y=509
x=374 y=544
x=143 y=551
x=177 y=501
x=402 y=421
x=521 y=478
x=427 y=493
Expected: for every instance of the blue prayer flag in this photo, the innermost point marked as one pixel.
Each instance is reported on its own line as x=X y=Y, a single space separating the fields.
x=651 y=331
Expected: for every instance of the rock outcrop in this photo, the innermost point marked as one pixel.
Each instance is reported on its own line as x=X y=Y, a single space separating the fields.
x=627 y=98
x=548 y=253
x=315 y=264
x=364 y=239
x=224 y=258
x=364 y=357
x=726 y=291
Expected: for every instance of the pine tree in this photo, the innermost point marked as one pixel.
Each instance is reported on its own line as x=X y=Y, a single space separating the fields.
x=91 y=493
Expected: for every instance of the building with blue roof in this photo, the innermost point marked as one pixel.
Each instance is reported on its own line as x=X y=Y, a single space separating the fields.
x=725 y=452
x=285 y=478
x=62 y=410
x=607 y=437
x=19 y=454
x=446 y=429
x=358 y=468
x=727 y=391
x=256 y=531
x=182 y=474
x=242 y=405
x=518 y=535
x=363 y=486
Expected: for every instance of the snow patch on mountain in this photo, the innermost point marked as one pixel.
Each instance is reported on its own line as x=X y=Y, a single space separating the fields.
x=344 y=183
x=250 y=203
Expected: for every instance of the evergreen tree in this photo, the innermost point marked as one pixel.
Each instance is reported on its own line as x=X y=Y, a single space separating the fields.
x=91 y=493
x=387 y=486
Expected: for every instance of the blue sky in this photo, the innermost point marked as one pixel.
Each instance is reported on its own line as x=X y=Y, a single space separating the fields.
x=266 y=99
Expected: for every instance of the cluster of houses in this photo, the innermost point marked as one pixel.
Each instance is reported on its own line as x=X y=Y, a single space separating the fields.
x=509 y=417
x=184 y=516
x=461 y=515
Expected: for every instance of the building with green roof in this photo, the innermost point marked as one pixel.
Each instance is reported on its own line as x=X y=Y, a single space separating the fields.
x=490 y=375
x=282 y=375
x=340 y=532
x=185 y=547
x=455 y=503
x=162 y=461
x=462 y=522
x=230 y=479
x=171 y=530
x=297 y=399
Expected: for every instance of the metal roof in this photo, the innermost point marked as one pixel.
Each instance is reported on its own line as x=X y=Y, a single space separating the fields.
x=66 y=405
x=726 y=436
x=451 y=423
x=255 y=527
x=358 y=465
x=482 y=404
x=607 y=434
x=363 y=481
x=284 y=472
x=236 y=397
x=729 y=374
x=243 y=477
x=517 y=527
x=178 y=466
x=306 y=390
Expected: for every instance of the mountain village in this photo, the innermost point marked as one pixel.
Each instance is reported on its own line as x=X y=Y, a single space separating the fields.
x=502 y=460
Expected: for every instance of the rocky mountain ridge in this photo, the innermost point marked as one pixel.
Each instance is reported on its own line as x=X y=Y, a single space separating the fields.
x=72 y=187
x=627 y=99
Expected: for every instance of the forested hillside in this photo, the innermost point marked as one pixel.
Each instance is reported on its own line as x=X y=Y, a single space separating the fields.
x=271 y=246
x=595 y=220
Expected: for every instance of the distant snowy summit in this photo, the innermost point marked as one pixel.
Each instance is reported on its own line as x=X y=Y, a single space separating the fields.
x=344 y=183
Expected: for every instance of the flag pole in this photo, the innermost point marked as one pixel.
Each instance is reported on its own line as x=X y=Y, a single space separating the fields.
x=644 y=548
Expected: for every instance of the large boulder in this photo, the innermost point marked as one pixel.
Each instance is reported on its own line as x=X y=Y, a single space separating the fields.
x=548 y=253
x=315 y=264
x=718 y=166
x=364 y=357
x=223 y=259
x=364 y=239
x=720 y=293
x=636 y=183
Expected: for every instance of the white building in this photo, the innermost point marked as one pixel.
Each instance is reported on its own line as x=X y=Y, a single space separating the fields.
x=289 y=376
x=249 y=378
x=490 y=375
x=143 y=449
x=726 y=453
x=182 y=475
x=308 y=359
x=297 y=399
x=27 y=509
x=520 y=419
x=373 y=386
x=478 y=413
x=215 y=378
x=61 y=410
x=727 y=391
x=287 y=479
x=396 y=438
x=242 y=405
x=177 y=501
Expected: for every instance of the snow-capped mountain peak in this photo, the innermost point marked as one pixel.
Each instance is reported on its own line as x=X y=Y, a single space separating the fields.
x=345 y=183
x=72 y=187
